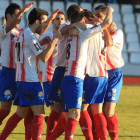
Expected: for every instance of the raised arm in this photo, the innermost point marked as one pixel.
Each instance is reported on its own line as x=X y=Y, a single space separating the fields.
x=11 y=24
x=53 y=15
x=108 y=19
x=64 y=30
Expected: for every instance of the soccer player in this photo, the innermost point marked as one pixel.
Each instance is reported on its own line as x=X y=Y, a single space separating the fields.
x=114 y=43
x=28 y=119
x=8 y=34
x=49 y=66
x=55 y=88
x=29 y=91
x=115 y=80
x=72 y=83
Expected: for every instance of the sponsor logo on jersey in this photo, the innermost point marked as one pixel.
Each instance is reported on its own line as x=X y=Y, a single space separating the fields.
x=37 y=46
x=113 y=98
x=8 y=94
x=41 y=96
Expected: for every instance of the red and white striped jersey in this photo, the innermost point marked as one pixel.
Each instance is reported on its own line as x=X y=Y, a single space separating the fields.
x=96 y=62
x=26 y=50
x=49 y=66
x=7 y=41
x=77 y=48
x=114 y=56
x=62 y=48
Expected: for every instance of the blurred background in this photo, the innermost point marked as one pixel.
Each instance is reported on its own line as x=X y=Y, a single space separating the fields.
x=126 y=15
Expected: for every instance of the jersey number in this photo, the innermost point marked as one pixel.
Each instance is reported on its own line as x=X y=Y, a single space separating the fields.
x=18 y=50
x=68 y=51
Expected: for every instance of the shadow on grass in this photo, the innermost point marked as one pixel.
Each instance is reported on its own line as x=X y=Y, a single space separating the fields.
x=82 y=135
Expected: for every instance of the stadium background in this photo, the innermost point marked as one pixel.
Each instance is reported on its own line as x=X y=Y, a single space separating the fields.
x=126 y=16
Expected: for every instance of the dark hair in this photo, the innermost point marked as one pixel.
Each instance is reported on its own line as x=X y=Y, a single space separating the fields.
x=101 y=7
x=36 y=14
x=61 y=13
x=72 y=9
x=2 y=18
x=88 y=14
x=11 y=9
x=77 y=16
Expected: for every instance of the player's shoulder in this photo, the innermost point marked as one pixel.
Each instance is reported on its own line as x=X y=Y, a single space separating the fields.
x=47 y=34
x=119 y=31
x=89 y=25
x=28 y=33
x=64 y=24
x=3 y=26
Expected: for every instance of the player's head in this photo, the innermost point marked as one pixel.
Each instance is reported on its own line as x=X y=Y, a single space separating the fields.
x=38 y=19
x=12 y=10
x=3 y=20
x=72 y=9
x=100 y=11
x=59 y=20
x=78 y=16
x=88 y=14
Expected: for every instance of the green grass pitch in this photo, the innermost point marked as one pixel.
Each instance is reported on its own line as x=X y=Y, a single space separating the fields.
x=127 y=110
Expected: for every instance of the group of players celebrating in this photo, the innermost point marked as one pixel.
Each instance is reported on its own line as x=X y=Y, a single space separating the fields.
x=81 y=76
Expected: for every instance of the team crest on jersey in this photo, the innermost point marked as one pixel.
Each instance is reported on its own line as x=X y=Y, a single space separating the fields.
x=79 y=100
x=8 y=94
x=41 y=95
x=59 y=91
x=114 y=90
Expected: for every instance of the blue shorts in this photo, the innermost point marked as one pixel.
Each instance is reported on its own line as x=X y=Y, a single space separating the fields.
x=7 y=84
x=55 y=88
x=29 y=93
x=115 y=81
x=94 y=89
x=72 y=89
x=46 y=87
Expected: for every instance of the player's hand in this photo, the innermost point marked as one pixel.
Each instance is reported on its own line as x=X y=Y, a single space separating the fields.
x=45 y=40
x=103 y=51
x=27 y=7
x=53 y=15
x=57 y=35
x=112 y=26
x=110 y=9
x=80 y=25
x=95 y=20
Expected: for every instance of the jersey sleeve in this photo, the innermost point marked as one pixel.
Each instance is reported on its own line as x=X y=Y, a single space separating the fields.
x=89 y=32
x=34 y=45
x=117 y=37
x=3 y=31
